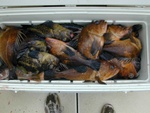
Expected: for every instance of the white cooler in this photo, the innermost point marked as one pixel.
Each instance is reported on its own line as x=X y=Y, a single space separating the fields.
x=131 y=12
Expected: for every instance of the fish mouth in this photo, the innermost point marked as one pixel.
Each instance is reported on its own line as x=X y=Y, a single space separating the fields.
x=71 y=35
x=48 y=40
x=67 y=36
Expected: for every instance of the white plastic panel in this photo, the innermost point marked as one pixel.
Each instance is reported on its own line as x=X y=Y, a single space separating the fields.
x=125 y=16
x=72 y=2
x=122 y=102
x=34 y=102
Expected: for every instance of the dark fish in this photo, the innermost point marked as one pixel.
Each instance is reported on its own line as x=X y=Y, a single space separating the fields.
x=50 y=29
x=37 y=45
x=91 y=39
x=68 y=55
x=36 y=61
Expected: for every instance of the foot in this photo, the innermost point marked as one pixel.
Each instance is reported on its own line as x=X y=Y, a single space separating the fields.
x=107 y=108
x=52 y=104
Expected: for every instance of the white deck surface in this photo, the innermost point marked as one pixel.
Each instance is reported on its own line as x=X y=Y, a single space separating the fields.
x=33 y=102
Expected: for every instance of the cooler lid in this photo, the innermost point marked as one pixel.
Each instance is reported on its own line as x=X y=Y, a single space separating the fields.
x=7 y=3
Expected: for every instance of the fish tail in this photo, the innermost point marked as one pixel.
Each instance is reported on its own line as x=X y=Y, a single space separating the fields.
x=94 y=65
x=136 y=27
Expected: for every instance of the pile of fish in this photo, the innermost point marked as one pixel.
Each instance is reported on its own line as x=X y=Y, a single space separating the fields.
x=50 y=51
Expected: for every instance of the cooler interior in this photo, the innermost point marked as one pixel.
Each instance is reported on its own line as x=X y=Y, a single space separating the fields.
x=83 y=16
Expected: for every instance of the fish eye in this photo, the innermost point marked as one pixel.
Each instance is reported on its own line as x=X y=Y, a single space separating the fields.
x=112 y=67
x=96 y=22
x=131 y=75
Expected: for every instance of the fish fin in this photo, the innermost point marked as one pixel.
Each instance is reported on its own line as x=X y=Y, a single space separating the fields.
x=72 y=26
x=69 y=52
x=61 y=67
x=74 y=42
x=19 y=39
x=124 y=38
x=127 y=36
x=136 y=27
x=106 y=56
x=95 y=47
x=26 y=26
x=48 y=24
x=115 y=62
x=107 y=36
x=34 y=54
x=132 y=39
x=81 y=69
x=21 y=50
x=99 y=81
x=49 y=75
x=108 y=40
x=95 y=64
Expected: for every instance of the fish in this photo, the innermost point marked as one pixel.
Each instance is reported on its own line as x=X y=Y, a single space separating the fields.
x=77 y=73
x=106 y=71
x=116 y=32
x=128 y=48
x=51 y=29
x=129 y=68
x=68 y=55
x=91 y=40
x=37 y=45
x=36 y=61
x=34 y=45
x=23 y=74
x=11 y=38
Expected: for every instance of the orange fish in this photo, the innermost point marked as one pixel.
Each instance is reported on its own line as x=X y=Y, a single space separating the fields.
x=107 y=71
x=129 y=48
x=129 y=68
x=10 y=39
x=91 y=40
x=116 y=32
x=68 y=55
